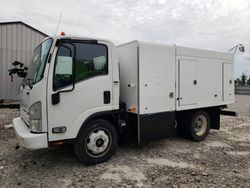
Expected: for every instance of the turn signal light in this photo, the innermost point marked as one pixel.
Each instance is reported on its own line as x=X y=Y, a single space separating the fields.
x=132 y=109
x=57 y=143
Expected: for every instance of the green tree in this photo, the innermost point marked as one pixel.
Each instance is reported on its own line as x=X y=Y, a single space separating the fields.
x=248 y=81
x=243 y=78
x=237 y=81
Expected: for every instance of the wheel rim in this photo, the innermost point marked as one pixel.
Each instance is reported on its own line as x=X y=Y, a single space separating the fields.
x=98 y=142
x=200 y=125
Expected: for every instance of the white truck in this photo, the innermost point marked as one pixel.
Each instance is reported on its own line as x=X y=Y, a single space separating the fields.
x=93 y=94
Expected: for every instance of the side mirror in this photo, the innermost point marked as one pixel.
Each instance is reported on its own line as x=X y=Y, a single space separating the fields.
x=241 y=49
x=55 y=98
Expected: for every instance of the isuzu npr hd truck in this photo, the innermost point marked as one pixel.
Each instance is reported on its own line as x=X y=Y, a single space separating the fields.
x=93 y=94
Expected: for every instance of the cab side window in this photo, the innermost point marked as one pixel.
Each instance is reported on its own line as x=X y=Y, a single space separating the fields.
x=90 y=60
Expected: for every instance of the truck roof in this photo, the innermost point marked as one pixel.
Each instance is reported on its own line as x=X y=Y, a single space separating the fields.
x=190 y=51
x=180 y=50
x=203 y=53
x=81 y=38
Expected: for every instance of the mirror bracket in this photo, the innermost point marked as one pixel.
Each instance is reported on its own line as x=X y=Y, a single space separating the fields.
x=56 y=96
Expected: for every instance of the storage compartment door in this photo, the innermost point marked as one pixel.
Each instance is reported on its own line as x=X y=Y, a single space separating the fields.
x=228 y=84
x=129 y=83
x=187 y=82
x=157 y=78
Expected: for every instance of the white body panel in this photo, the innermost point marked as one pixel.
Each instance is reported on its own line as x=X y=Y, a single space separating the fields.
x=198 y=78
x=228 y=89
x=31 y=96
x=128 y=66
x=206 y=68
x=28 y=139
x=156 y=78
x=148 y=69
x=187 y=75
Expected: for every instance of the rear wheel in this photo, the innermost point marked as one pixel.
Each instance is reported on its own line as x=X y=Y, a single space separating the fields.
x=194 y=125
x=199 y=126
x=97 y=142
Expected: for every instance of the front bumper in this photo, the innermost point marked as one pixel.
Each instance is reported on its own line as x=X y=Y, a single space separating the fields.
x=26 y=138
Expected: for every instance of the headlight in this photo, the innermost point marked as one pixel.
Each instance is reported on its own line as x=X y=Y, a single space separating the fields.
x=35 y=115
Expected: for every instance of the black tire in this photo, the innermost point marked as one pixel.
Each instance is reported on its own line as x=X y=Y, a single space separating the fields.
x=99 y=130
x=198 y=134
x=186 y=125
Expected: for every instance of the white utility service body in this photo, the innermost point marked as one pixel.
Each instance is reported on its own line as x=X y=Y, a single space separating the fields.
x=91 y=93
x=158 y=79
x=195 y=78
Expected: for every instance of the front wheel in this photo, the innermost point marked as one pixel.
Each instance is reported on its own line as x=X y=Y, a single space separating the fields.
x=97 y=142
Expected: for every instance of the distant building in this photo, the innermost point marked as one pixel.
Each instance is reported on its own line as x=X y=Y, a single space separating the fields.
x=17 y=41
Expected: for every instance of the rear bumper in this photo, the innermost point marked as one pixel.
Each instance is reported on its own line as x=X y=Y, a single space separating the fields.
x=26 y=138
x=228 y=113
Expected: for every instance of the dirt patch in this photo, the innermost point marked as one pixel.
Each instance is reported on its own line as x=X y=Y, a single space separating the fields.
x=124 y=173
x=217 y=144
x=6 y=116
x=238 y=153
x=164 y=161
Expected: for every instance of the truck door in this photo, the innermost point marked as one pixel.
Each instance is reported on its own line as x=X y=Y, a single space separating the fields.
x=228 y=83
x=187 y=82
x=80 y=85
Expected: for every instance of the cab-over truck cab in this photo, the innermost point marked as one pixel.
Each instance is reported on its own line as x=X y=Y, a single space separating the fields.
x=71 y=82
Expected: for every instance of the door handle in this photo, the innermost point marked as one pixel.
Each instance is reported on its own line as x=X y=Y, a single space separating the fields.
x=106 y=97
x=171 y=94
x=55 y=98
x=131 y=85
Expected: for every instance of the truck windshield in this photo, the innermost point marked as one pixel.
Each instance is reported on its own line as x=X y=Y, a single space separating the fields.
x=38 y=62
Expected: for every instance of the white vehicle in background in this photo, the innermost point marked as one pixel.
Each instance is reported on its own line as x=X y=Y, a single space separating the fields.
x=91 y=93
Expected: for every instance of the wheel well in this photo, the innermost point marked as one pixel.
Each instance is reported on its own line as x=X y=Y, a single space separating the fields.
x=213 y=112
x=111 y=116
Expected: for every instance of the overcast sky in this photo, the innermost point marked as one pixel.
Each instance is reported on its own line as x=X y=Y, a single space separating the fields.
x=215 y=24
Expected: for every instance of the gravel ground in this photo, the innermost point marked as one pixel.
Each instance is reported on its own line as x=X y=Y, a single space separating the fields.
x=222 y=160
